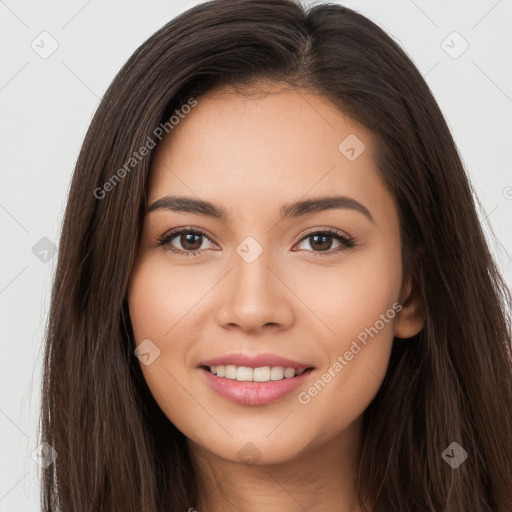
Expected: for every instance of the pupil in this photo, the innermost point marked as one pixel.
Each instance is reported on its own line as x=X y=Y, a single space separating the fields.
x=324 y=237
x=186 y=241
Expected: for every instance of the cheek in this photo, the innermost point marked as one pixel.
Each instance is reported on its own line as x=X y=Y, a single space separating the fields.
x=355 y=365
x=346 y=298
x=161 y=297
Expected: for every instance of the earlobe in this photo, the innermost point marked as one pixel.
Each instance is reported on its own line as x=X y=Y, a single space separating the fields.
x=411 y=318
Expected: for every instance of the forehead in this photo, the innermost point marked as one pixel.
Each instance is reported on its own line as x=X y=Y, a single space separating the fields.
x=266 y=146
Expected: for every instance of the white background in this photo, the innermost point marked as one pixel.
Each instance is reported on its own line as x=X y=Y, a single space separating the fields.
x=47 y=104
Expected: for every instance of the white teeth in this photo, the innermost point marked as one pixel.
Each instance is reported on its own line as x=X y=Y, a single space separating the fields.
x=277 y=373
x=230 y=371
x=289 y=373
x=244 y=374
x=262 y=374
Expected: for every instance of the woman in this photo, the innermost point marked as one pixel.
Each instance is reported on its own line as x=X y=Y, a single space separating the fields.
x=273 y=290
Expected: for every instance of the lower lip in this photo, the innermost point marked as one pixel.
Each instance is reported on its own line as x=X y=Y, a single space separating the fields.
x=254 y=393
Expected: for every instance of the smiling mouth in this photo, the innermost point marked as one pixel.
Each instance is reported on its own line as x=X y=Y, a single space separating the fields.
x=261 y=374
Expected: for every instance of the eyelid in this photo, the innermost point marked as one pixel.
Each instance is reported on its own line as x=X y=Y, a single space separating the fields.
x=186 y=229
x=326 y=229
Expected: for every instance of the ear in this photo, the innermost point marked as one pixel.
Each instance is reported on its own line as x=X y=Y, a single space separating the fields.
x=411 y=318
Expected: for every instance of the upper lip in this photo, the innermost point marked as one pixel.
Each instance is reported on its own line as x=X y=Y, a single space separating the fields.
x=254 y=361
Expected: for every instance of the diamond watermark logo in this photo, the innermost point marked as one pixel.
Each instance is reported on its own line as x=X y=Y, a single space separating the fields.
x=45 y=45
x=454 y=45
x=147 y=352
x=249 y=454
x=351 y=147
x=454 y=455
x=249 y=250
x=44 y=250
x=44 y=455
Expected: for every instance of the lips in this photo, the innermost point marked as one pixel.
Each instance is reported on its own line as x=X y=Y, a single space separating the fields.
x=254 y=361
x=254 y=392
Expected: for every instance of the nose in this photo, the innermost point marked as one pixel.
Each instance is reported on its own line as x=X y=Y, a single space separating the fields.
x=255 y=298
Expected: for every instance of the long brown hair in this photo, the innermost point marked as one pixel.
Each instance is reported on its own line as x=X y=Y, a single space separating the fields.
x=450 y=383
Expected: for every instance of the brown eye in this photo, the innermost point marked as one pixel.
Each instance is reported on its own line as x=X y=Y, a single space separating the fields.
x=322 y=242
x=190 y=241
x=184 y=242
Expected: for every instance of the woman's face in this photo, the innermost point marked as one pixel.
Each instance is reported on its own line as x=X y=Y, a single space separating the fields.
x=265 y=281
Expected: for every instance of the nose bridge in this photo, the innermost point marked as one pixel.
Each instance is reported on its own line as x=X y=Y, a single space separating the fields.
x=255 y=297
x=251 y=270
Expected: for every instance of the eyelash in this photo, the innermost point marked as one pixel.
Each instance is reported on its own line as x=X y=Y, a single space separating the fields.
x=345 y=241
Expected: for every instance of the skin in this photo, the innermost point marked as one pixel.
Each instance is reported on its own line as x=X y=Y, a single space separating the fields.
x=251 y=155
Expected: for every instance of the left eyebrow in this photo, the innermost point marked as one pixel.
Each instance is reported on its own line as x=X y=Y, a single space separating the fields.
x=321 y=204
x=297 y=209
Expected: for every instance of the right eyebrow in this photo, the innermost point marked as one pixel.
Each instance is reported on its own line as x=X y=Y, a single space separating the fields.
x=189 y=205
